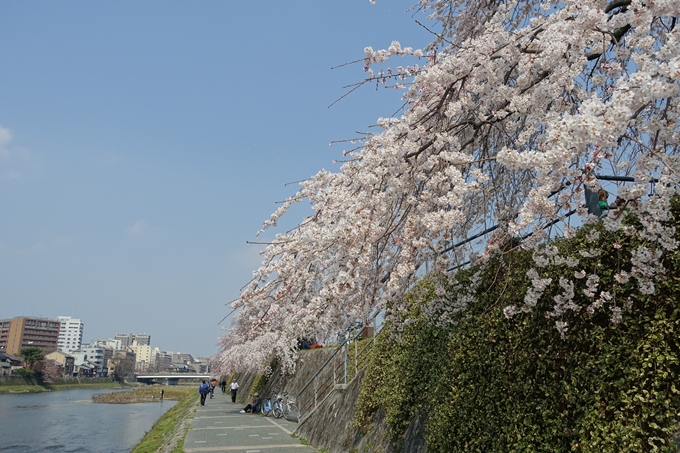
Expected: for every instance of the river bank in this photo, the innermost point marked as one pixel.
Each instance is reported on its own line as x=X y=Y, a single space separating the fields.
x=167 y=434
x=31 y=385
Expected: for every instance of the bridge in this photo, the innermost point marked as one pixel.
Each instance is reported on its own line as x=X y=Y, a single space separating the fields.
x=170 y=379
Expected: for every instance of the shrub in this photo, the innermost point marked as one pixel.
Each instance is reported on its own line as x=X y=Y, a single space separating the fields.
x=486 y=383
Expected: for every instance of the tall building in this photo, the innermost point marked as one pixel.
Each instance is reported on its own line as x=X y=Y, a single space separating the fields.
x=70 y=334
x=142 y=339
x=143 y=356
x=23 y=332
x=126 y=339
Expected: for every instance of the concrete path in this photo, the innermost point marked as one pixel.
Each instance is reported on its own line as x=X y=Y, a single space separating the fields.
x=220 y=427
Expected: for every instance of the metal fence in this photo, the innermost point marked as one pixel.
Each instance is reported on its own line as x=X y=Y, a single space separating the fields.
x=338 y=371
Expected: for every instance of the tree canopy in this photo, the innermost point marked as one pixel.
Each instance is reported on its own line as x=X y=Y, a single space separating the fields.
x=31 y=356
x=513 y=111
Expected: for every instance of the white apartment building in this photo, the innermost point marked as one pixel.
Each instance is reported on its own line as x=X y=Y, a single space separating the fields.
x=96 y=355
x=70 y=334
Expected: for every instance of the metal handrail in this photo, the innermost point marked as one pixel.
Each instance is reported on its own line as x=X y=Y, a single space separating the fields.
x=339 y=369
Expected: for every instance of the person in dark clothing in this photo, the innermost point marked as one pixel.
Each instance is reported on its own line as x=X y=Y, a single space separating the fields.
x=203 y=390
x=223 y=386
x=254 y=406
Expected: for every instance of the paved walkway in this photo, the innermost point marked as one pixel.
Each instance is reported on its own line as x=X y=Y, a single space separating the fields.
x=220 y=427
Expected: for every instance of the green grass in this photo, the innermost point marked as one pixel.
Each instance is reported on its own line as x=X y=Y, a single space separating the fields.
x=144 y=395
x=167 y=427
x=179 y=447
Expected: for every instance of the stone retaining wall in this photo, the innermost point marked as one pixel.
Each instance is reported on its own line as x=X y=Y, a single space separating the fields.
x=330 y=427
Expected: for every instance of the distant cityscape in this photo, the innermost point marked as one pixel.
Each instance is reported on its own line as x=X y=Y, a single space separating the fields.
x=61 y=342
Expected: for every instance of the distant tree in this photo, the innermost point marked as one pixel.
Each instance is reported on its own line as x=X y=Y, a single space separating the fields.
x=25 y=372
x=121 y=367
x=31 y=357
x=49 y=370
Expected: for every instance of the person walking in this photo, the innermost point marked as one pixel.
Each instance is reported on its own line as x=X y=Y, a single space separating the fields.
x=203 y=390
x=234 y=388
x=223 y=386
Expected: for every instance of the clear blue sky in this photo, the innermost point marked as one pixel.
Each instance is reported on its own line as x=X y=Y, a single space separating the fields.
x=143 y=143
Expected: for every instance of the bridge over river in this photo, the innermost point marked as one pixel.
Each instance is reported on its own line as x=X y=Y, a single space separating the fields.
x=170 y=378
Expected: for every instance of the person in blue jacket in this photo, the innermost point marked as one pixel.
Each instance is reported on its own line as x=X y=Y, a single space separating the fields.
x=203 y=390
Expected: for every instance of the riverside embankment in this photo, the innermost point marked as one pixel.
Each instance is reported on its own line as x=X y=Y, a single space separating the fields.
x=18 y=384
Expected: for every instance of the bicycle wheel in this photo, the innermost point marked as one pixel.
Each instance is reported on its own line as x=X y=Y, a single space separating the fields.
x=266 y=407
x=291 y=409
x=277 y=411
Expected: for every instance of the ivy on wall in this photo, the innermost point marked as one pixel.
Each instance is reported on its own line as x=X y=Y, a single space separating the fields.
x=489 y=384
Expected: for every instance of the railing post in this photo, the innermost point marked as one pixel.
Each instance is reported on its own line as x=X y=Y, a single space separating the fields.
x=345 y=364
x=356 y=355
x=375 y=327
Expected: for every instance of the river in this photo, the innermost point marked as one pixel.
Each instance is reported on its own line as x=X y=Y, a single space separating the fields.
x=68 y=421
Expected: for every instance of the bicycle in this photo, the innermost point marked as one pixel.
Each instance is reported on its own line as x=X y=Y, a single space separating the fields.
x=290 y=409
x=277 y=407
x=266 y=406
x=281 y=409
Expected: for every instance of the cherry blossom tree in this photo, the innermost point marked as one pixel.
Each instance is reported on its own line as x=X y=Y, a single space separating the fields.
x=513 y=110
x=49 y=371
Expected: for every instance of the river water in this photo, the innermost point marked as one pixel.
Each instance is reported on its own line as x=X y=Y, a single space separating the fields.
x=68 y=421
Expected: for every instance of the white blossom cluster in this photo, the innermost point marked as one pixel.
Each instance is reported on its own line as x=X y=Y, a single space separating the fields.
x=516 y=101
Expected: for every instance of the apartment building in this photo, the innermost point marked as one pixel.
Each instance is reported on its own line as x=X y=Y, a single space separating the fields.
x=26 y=332
x=70 y=334
x=144 y=357
x=96 y=355
x=163 y=359
x=126 y=339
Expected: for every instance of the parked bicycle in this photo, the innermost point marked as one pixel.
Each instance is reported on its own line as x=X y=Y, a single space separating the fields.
x=267 y=406
x=280 y=408
x=277 y=406
x=290 y=409
x=287 y=408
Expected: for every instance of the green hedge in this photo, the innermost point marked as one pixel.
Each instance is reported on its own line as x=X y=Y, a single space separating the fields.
x=489 y=384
